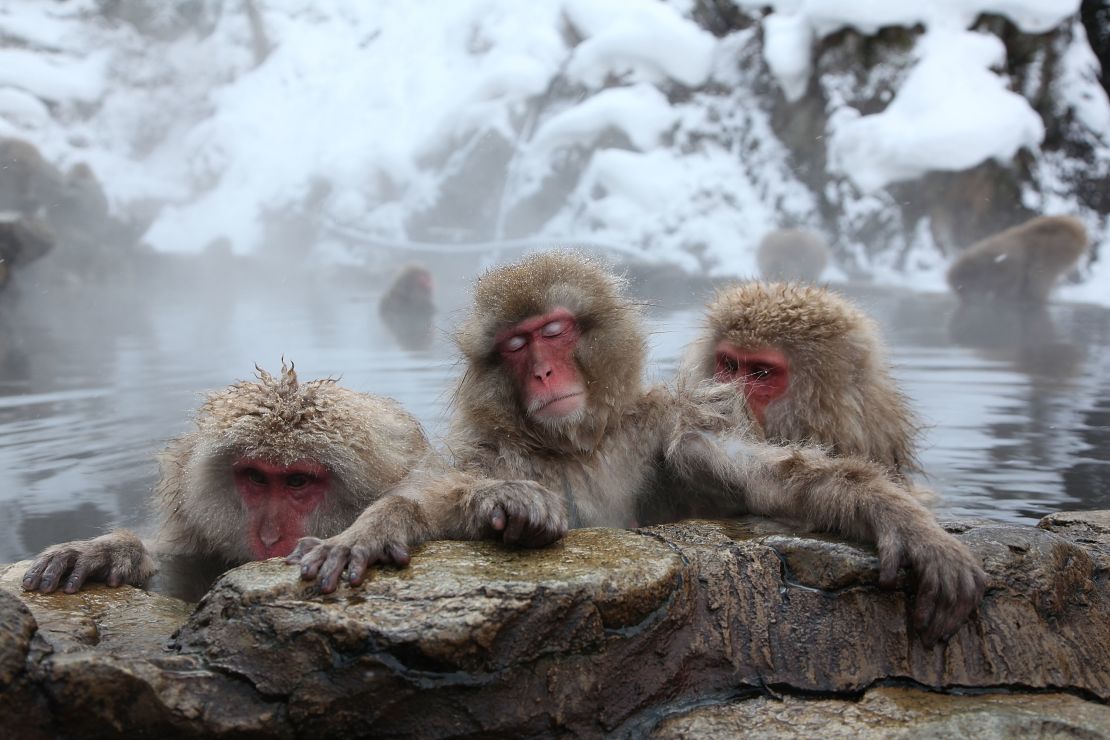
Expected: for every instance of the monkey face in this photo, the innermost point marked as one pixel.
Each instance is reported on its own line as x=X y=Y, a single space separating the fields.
x=538 y=353
x=278 y=499
x=763 y=374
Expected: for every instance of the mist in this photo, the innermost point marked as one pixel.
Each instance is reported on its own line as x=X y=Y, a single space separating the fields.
x=226 y=184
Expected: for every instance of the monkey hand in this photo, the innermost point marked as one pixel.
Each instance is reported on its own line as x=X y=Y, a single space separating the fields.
x=383 y=533
x=523 y=512
x=117 y=558
x=950 y=580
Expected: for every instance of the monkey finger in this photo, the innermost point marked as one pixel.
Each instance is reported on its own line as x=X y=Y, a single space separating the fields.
x=333 y=568
x=925 y=603
x=78 y=577
x=890 y=560
x=497 y=518
x=311 y=562
x=360 y=561
x=515 y=528
x=33 y=576
x=58 y=567
x=303 y=546
x=399 y=554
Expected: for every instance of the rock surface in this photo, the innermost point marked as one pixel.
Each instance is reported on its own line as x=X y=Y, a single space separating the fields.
x=609 y=631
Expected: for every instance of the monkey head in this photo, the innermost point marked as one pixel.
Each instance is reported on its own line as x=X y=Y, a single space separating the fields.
x=812 y=367
x=276 y=460
x=553 y=350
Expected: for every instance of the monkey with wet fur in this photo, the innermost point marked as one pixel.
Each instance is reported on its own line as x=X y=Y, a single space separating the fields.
x=792 y=254
x=553 y=429
x=813 y=369
x=269 y=462
x=407 y=307
x=1021 y=264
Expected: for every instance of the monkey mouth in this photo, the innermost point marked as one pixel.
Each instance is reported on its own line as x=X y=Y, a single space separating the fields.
x=558 y=406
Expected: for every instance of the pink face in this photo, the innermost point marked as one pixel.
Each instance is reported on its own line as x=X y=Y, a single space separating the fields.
x=539 y=353
x=763 y=375
x=279 y=500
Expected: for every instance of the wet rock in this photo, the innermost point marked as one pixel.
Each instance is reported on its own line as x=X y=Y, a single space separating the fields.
x=606 y=632
x=895 y=713
x=16 y=627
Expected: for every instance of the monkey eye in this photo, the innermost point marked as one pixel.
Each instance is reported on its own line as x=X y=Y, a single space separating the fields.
x=731 y=366
x=296 y=480
x=553 y=329
x=256 y=476
x=514 y=344
x=760 y=371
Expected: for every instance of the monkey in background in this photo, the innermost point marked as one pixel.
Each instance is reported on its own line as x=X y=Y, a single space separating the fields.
x=407 y=307
x=1021 y=264
x=813 y=369
x=269 y=462
x=554 y=429
x=792 y=254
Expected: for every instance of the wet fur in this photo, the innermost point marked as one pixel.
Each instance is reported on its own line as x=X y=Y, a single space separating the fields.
x=1020 y=264
x=842 y=396
x=635 y=457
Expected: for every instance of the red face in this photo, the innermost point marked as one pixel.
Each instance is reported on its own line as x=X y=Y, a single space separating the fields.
x=763 y=375
x=279 y=500
x=539 y=352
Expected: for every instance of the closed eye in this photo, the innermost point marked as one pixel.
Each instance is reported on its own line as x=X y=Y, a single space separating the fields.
x=514 y=344
x=554 y=329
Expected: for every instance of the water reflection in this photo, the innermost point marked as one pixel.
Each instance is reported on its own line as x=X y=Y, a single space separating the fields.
x=92 y=383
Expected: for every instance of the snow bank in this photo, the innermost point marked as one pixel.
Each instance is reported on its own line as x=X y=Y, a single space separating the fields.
x=951 y=113
x=362 y=112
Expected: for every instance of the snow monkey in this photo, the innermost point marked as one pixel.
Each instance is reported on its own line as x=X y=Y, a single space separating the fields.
x=792 y=254
x=813 y=369
x=1020 y=264
x=552 y=428
x=407 y=307
x=268 y=463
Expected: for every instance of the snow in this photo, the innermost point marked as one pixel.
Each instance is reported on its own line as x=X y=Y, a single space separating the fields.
x=640 y=111
x=377 y=100
x=951 y=113
x=788 y=48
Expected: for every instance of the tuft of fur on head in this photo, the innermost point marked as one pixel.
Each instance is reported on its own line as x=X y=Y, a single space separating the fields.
x=367 y=443
x=610 y=351
x=842 y=396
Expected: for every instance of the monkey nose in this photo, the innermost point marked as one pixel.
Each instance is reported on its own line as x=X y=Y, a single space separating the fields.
x=269 y=535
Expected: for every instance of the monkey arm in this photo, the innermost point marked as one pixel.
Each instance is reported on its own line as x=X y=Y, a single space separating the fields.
x=445 y=504
x=852 y=497
x=116 y=558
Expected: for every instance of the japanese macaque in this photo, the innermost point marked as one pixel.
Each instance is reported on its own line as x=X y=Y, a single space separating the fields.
x=407 y=308
x=28 y=183
x=268 y=463
x=1020 y=264
x=553 y=430
x=813 y=369
x=792 y=254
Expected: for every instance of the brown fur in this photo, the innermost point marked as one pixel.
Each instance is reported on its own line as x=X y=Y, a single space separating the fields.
x=368 y=443
x=842 y=396
x=407 y=308
x=635 y=457
x=792 y=254
x=1022 y=263
x=28 y=182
